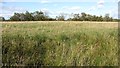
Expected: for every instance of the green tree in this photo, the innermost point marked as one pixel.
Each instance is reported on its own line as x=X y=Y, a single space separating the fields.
x=106 y=18
x=28 y=16
x=15 y=17
x=61 y=17
x=89 y=17
x=83 y=16
x=76 y=17
x=38 y=16
x=100 y=18
x=22 y=17
x=2 y=19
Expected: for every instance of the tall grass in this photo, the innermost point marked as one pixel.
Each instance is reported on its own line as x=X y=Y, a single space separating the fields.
x=59 y=44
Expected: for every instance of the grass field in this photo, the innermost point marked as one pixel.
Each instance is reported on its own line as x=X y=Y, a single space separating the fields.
x=60 y=43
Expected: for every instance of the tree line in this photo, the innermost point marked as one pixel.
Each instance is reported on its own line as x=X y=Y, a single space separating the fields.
x=42 y=16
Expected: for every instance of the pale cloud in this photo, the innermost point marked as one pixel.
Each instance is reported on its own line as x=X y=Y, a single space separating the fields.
x=66 y=10
x=12 y=9
x=72 y=9
x=50 y=12
x=92 y=8
x=6 y=14
x=44 y=1
x=117 y=0
x=75 y=8
x=18 y=0
x=100 y=4
x=9 y=0
x=55 y=5
x=44 y=9
x=9 y=11
x=1 y=1
x=113 y=12
x=54 y=13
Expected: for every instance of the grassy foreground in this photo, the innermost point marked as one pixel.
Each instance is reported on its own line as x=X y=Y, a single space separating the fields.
x=60 y=44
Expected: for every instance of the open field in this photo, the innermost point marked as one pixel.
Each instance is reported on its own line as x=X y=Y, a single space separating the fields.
x=60 y=43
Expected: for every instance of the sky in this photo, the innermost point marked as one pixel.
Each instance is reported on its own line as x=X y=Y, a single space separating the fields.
x=55 y=7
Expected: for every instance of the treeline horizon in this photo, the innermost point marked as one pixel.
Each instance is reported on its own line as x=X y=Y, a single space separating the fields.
x=42 y=16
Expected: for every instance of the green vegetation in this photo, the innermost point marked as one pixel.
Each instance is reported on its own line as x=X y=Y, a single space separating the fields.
x=43 y=16
x=2 y=18
x=60 y=44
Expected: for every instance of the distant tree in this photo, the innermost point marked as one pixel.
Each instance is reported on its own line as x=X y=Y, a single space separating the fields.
x=100 y=18
x=38 y=16
x=47 y=16
x=69 y=19
x=106 y=17
x=71 y=16
x=22 y=17
x=15 y=17
x=76 y=17
x=89 y=17
x=43 y=16
x=110 y=19
x=61 y=17
x=83 y=16
x=94 y=18
x=2 y=19
x=35 y=16
x=51 y=19
x=28 y=16
x=116 y=20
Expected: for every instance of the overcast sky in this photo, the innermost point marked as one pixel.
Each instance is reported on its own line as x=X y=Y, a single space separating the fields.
x=54 y=7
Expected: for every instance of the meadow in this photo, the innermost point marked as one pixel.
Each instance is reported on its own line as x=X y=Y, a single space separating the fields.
x=62 y=43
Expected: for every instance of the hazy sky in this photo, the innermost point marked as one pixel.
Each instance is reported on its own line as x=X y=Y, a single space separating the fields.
x=54 y=7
